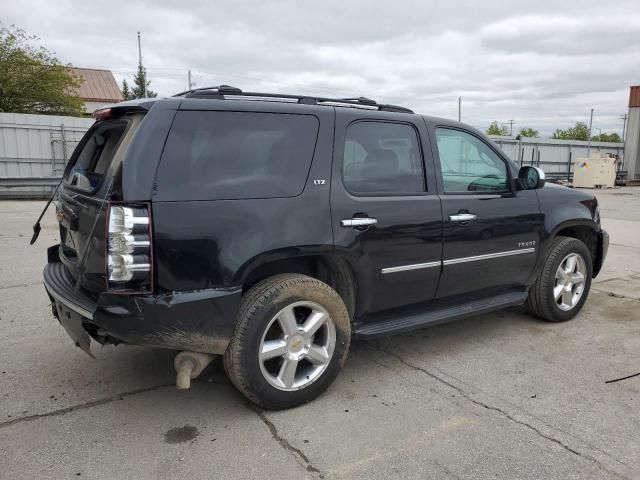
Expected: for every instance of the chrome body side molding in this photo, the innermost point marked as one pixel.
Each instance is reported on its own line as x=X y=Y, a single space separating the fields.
x=454 y=261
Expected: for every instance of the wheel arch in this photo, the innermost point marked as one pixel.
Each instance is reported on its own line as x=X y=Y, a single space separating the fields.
x=584 y=230
x=321 y=263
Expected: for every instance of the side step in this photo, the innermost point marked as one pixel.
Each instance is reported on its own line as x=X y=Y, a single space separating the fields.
x=438 y=315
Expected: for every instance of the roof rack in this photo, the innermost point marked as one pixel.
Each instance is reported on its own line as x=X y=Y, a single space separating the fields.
x=221 y=92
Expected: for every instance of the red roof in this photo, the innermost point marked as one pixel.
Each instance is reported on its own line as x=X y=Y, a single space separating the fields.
x=97 y=85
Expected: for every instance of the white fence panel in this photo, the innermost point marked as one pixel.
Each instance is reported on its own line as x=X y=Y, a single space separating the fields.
x=36 y=146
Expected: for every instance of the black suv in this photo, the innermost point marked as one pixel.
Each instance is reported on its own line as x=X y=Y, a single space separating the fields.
x=272 y=229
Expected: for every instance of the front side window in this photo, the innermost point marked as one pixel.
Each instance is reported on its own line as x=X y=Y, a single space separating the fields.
x=382 y=158
x=468 y=164
x=212 y=155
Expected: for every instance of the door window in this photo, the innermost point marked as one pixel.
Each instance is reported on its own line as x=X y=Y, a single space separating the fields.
x=382 y=158
x=468 y=164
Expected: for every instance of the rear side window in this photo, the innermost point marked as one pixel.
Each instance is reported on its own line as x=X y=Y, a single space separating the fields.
x=236 y=155
x=382 y=158
x=96 y=151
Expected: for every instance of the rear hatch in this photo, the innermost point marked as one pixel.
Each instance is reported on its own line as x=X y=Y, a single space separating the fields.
x=92 y=178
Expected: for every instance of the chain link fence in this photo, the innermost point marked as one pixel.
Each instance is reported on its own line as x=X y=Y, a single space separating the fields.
x=63 y=143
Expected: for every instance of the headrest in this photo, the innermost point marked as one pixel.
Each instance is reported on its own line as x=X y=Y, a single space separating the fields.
x=383 y=161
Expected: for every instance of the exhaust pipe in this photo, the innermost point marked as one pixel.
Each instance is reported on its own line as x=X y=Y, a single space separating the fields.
x=188 y=366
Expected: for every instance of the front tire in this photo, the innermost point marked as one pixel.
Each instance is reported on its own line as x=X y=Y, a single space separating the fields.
x=563 y=284
x=290 y=342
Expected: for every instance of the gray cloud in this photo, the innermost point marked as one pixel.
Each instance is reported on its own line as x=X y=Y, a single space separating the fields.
x=543 y=64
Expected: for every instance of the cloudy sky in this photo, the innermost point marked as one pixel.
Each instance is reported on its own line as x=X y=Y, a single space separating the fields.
x=541 y=63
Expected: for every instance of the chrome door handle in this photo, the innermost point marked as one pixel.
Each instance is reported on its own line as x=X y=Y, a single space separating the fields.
x=358 y=222
x=462 y=217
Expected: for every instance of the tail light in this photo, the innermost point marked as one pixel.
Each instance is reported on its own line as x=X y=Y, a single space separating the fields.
x=129 y=255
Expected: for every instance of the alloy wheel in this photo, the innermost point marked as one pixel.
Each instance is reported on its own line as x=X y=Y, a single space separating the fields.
x=297 y=346
x=571 y=276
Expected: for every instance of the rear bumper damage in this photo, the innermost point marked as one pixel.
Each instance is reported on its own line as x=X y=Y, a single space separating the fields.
x=198 y=321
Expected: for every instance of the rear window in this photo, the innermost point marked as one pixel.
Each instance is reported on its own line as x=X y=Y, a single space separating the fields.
x=94 y=154
x=234 y=155
x=382 y=158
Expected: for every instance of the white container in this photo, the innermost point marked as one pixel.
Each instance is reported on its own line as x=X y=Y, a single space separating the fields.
x=594 y=172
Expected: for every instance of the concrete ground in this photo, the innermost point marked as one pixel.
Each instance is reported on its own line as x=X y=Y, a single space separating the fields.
x=496 y=396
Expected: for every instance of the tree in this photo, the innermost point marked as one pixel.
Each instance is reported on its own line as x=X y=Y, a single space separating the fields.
x=607 y=137
x=529 y=132
x=578 y=132
x=126 y=91
x=139 y=82
x=32 y=80
x=496 y=129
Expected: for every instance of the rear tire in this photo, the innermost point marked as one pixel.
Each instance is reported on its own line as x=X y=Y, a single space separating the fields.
x=290 y=342
x=563 y=284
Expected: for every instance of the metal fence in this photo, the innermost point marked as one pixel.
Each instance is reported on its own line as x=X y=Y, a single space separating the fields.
x=34 y=150
x=555 y=157
x=63 y=143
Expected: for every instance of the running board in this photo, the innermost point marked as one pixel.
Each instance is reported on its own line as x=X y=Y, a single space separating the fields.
x=438 y=315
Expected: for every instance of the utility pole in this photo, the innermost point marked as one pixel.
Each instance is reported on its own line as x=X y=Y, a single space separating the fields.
x=189 y=79
x=141 y=68
x=590 y=125
x=511 y=122
x=459 y=109
x=624 y=118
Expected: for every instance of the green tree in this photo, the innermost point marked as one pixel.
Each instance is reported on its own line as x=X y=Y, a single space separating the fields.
x=139 y=82
x=496 y=129
x=32 y=80
x=578 y=132
x=126 y=91
x=529 y=132
x=607 y=137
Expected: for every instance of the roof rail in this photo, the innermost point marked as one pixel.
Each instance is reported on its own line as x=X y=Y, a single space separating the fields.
x=221 y=92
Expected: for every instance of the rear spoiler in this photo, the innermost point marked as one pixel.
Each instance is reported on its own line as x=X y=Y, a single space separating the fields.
x=118 y=109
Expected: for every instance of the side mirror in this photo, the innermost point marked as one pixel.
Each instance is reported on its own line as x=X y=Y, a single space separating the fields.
x=531 y=178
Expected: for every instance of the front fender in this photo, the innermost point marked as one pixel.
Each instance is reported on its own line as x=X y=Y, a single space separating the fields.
x=567 y=210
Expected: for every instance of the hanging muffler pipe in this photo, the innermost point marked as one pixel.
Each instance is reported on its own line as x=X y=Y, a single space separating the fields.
x=188 y=366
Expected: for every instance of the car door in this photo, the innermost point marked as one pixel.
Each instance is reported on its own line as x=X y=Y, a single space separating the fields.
x=386 y=214
x=491 y=231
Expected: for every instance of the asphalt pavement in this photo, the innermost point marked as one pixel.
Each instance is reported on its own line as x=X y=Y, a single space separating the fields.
x=502 y=395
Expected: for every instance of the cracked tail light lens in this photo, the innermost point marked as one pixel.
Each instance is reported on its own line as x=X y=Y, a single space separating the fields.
x=129 y=267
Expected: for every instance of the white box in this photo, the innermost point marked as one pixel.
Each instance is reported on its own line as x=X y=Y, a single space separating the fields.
x=594 y=172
